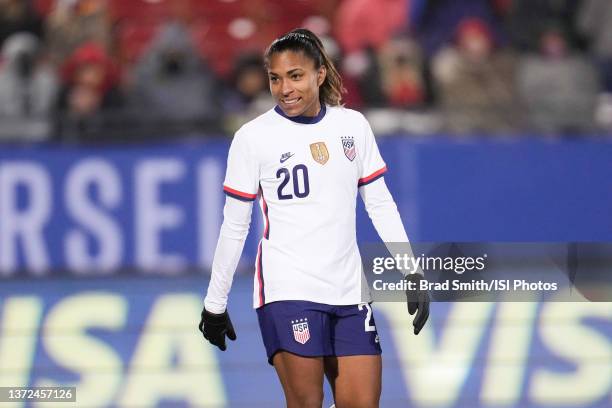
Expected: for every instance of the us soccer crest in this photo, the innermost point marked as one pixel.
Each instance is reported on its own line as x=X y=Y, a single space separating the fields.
x=301 y=333
x=319 y=152
x=348 y=144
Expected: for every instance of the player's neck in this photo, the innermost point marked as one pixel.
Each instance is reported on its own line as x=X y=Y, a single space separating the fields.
x=304 y=119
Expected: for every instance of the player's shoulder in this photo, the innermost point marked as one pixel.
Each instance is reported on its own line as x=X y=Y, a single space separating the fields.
x=350 y=122
x=251 y=133
x=350 y=119
x=344 y=113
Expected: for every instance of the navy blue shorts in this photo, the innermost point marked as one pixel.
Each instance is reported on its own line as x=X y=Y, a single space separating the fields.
x=315 y=330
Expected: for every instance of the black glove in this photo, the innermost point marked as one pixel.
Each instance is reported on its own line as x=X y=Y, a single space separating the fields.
x=215 y=327
x=417 y=300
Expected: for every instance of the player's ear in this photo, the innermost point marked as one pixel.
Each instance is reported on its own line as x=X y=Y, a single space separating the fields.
x=321 y=74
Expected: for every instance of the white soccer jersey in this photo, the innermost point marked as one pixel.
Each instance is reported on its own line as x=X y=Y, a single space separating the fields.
x=306 y=173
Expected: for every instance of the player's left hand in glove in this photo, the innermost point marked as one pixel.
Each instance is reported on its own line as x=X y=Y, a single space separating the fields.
x=418 y=301
x=215 y=327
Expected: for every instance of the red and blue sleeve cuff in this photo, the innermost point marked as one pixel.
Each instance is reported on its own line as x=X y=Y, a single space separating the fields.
x=239 y=195
x=372 y=177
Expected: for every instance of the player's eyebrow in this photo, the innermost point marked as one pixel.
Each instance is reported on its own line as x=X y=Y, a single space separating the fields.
x=291 y=71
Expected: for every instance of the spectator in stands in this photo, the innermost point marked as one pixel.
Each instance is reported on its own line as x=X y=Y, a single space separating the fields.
x=28 y=89
x=247 y=95
x=362 y=72
x=362 y=28
x=90 y=95
x=18 y=16
x=75 y=22
x=247 y=84
x=526 y=20
x=559 y=87
x=595 y=21
x=475 y=82
x=173 y=84
x=434 y=23
x=402 y=73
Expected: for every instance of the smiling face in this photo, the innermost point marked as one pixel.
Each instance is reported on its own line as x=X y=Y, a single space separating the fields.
x=294 y=83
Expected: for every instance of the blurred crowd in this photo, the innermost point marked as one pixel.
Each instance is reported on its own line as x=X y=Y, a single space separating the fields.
x=133 y=70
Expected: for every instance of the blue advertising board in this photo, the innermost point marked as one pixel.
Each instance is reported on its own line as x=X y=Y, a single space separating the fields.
x=158 y=208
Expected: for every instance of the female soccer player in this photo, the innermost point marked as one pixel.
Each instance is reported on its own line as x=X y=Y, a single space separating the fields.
x=305 y=160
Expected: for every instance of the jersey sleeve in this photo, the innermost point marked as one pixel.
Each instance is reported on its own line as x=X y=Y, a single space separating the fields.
x=373 y=166
x=386 y=219
x=242 y=174
x=235 y=227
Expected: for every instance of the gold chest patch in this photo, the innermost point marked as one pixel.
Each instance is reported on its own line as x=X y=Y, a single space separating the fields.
x=319 y=152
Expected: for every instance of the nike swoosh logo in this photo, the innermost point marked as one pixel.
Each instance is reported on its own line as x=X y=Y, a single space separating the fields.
x=284 y=159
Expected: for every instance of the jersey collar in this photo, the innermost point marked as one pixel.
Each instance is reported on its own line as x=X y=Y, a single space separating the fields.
x=306 y=120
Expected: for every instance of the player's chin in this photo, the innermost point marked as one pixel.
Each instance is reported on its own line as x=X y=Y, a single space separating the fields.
x=292 y=109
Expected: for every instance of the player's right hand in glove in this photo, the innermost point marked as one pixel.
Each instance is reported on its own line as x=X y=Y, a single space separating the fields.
x=215 y=327
x=418 y=301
